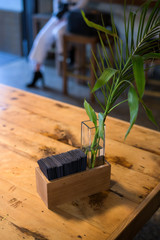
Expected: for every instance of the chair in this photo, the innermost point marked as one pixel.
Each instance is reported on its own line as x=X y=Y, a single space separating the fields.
x=68 y=39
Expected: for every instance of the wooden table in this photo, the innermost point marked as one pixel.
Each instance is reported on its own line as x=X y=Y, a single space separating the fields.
x=33 y=127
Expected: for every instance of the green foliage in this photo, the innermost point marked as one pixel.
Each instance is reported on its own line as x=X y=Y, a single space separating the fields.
x=138 y=71
x=115 y=78
x=149 y=114
x=96 y=26
x=151 y=56
x=133 y=103
x=107 y=74
x=91 y=113
x=101 y=125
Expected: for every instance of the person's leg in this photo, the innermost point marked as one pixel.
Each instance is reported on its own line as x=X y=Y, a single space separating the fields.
x=58 y=33
x=43 y=42
x=41 y=45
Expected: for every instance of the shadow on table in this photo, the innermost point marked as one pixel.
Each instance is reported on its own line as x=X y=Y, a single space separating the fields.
x=95 y=205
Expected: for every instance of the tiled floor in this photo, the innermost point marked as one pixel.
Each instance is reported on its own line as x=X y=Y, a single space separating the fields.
x=18 y=73
x=6 y=58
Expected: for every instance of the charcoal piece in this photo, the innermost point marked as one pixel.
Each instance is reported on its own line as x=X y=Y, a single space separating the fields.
x=53 y=165
x=43 y=167
x=62 y=172
x=46 y=168
x=83 y=158
x=66 y=163
x=63 y=164
x=51 y=170
x=74 y=161
x=78 y=158
x=71 y=159
x=58 y=167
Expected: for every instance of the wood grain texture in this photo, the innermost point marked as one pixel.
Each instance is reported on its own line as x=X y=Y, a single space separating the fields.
x=32 y=127
x=73 y=186
x=142 y=212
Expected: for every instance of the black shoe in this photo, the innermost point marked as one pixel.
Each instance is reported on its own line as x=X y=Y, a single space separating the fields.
x=37 y=75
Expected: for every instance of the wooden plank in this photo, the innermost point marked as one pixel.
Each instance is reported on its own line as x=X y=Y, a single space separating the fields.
x=124 y=180
x=29 y=216
x=33 y=146
x=138 y=217
x=32 y=127
x=130 y=184
x=80 y=39
x=152 y=81
x=105 y=210
x=9 y=229
x=18 y=170
x=115 y=129
x=152 y=93
x=139 y=137
x=53 y=192
x=89 y=212
x=125 y=155
x=84 y=208
x=78 y=76
x=133 y=158
x=119 y=158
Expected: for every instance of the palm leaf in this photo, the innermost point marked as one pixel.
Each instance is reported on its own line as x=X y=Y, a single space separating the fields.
x=97 y=26
x=145 y=47
x=107 y=74
x=138 y=71
x=133 y=103
x=91 y=113
x=149 y=114
x=151 y=17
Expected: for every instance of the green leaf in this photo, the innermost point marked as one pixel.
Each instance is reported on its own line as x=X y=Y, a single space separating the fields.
x=97 y=26
x=133 y=17
x=101 y=125
x=151 y=55
x=139 y=75
x=105 y=54
x=142 y=20
x=149 y=114
x=133 y=103
x=90 y=112
x=107 y=74
x=151 y=16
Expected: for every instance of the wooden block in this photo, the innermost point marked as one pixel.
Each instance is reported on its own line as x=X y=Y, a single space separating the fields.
x=73 y=186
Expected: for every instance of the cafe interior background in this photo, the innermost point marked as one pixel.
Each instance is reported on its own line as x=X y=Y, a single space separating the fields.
x=19 y=22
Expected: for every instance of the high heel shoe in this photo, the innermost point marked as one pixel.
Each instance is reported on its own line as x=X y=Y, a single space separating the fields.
x=37 y=75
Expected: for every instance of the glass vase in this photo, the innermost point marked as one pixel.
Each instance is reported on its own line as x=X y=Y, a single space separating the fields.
x=92 y=146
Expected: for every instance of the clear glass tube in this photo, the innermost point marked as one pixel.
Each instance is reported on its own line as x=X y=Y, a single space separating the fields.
x=96 y=155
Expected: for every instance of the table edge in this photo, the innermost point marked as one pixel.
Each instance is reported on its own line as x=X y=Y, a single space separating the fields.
x=138 y=217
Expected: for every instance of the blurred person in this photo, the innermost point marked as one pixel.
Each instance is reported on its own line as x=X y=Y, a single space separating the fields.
x=52 y=32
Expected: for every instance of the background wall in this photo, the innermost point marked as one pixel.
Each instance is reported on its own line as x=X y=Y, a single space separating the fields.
x=45 y=6
x=11 y=26
x=11 y=5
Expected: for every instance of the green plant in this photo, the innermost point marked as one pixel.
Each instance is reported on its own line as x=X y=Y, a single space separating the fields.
x=128 y=72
